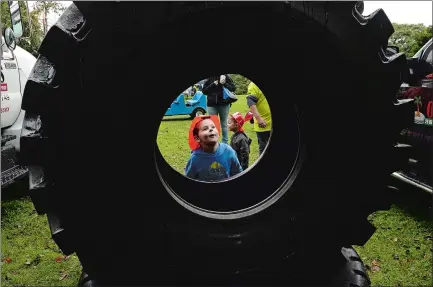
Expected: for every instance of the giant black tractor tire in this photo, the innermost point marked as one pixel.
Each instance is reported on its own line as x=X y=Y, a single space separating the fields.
x=351 y=274
x=116 y=202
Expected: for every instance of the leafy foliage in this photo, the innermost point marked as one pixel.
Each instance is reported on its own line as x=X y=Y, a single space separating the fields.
x=45 y=7
x=32 y=43
x=49 y=6
x=423 y=38
x=241 y=83
x=410 y=37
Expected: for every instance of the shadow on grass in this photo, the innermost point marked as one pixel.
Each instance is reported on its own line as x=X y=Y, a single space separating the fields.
x=416 y=206
x=12 y=210
x=416 y=203
x=16 y=190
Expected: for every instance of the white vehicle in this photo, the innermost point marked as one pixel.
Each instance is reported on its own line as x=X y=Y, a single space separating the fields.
x=16 y=65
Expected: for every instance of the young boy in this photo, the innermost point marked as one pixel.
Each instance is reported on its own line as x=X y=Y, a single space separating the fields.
x=210 y=160
x=240 y=142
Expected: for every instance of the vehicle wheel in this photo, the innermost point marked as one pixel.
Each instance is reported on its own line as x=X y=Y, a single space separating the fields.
x=86 y=281
x=198 y=112
x=324 y=139
x=354 y=273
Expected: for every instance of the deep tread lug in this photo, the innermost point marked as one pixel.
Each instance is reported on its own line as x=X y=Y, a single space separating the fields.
x=59 y=234
x=34 y=150
x=41 y=84
x=379 y=27
x=62 y=42
x=41 y=197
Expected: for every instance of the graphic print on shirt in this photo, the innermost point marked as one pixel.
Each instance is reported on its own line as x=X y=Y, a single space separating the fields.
x=216 y=171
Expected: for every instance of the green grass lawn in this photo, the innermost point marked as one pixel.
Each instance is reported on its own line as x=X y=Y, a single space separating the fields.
x=29 y=257
x=398 y=254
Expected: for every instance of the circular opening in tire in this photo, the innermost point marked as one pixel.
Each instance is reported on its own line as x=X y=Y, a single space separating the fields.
x=217 y=135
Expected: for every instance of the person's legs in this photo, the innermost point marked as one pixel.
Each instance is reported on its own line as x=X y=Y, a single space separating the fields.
x=212 y=111
x=224 y=114
x=262 y=138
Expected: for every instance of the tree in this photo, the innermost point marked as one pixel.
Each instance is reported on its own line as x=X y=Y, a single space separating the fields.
x=410 y=37
x=33 y=42
x=241 y=83
x=40 y=8
x=46 y=7
x=422 y=38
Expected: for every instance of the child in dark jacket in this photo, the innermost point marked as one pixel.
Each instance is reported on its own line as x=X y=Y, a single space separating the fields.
x=240 y=142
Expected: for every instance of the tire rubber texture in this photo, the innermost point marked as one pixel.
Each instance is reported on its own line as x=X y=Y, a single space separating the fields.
x=352 y=274
x=331 y=90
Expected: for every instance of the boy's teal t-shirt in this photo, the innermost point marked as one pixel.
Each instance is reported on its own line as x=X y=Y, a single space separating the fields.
x=205 y=166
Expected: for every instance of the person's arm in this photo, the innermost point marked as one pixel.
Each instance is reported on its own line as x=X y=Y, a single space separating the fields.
x=208 y=85
x=251 y=102
x=235 y=166
x=189 y=170
x=230 y=84
x=244 y=153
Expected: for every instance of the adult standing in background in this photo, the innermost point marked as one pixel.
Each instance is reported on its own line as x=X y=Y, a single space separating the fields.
x=259 y=107
x=216 y=105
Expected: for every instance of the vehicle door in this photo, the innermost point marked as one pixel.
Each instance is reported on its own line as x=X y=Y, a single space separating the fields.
x=11 y=95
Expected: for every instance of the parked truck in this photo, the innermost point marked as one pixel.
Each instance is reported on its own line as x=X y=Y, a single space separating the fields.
x=418 y=86
x=16 y=65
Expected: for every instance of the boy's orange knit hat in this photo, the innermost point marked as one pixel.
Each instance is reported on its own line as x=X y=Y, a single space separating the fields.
x=196 y=123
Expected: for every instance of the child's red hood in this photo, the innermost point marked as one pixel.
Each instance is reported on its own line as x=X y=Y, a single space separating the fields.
x=191 y=141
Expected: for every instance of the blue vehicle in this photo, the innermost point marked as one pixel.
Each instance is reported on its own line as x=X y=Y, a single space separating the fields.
x=197 y=106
